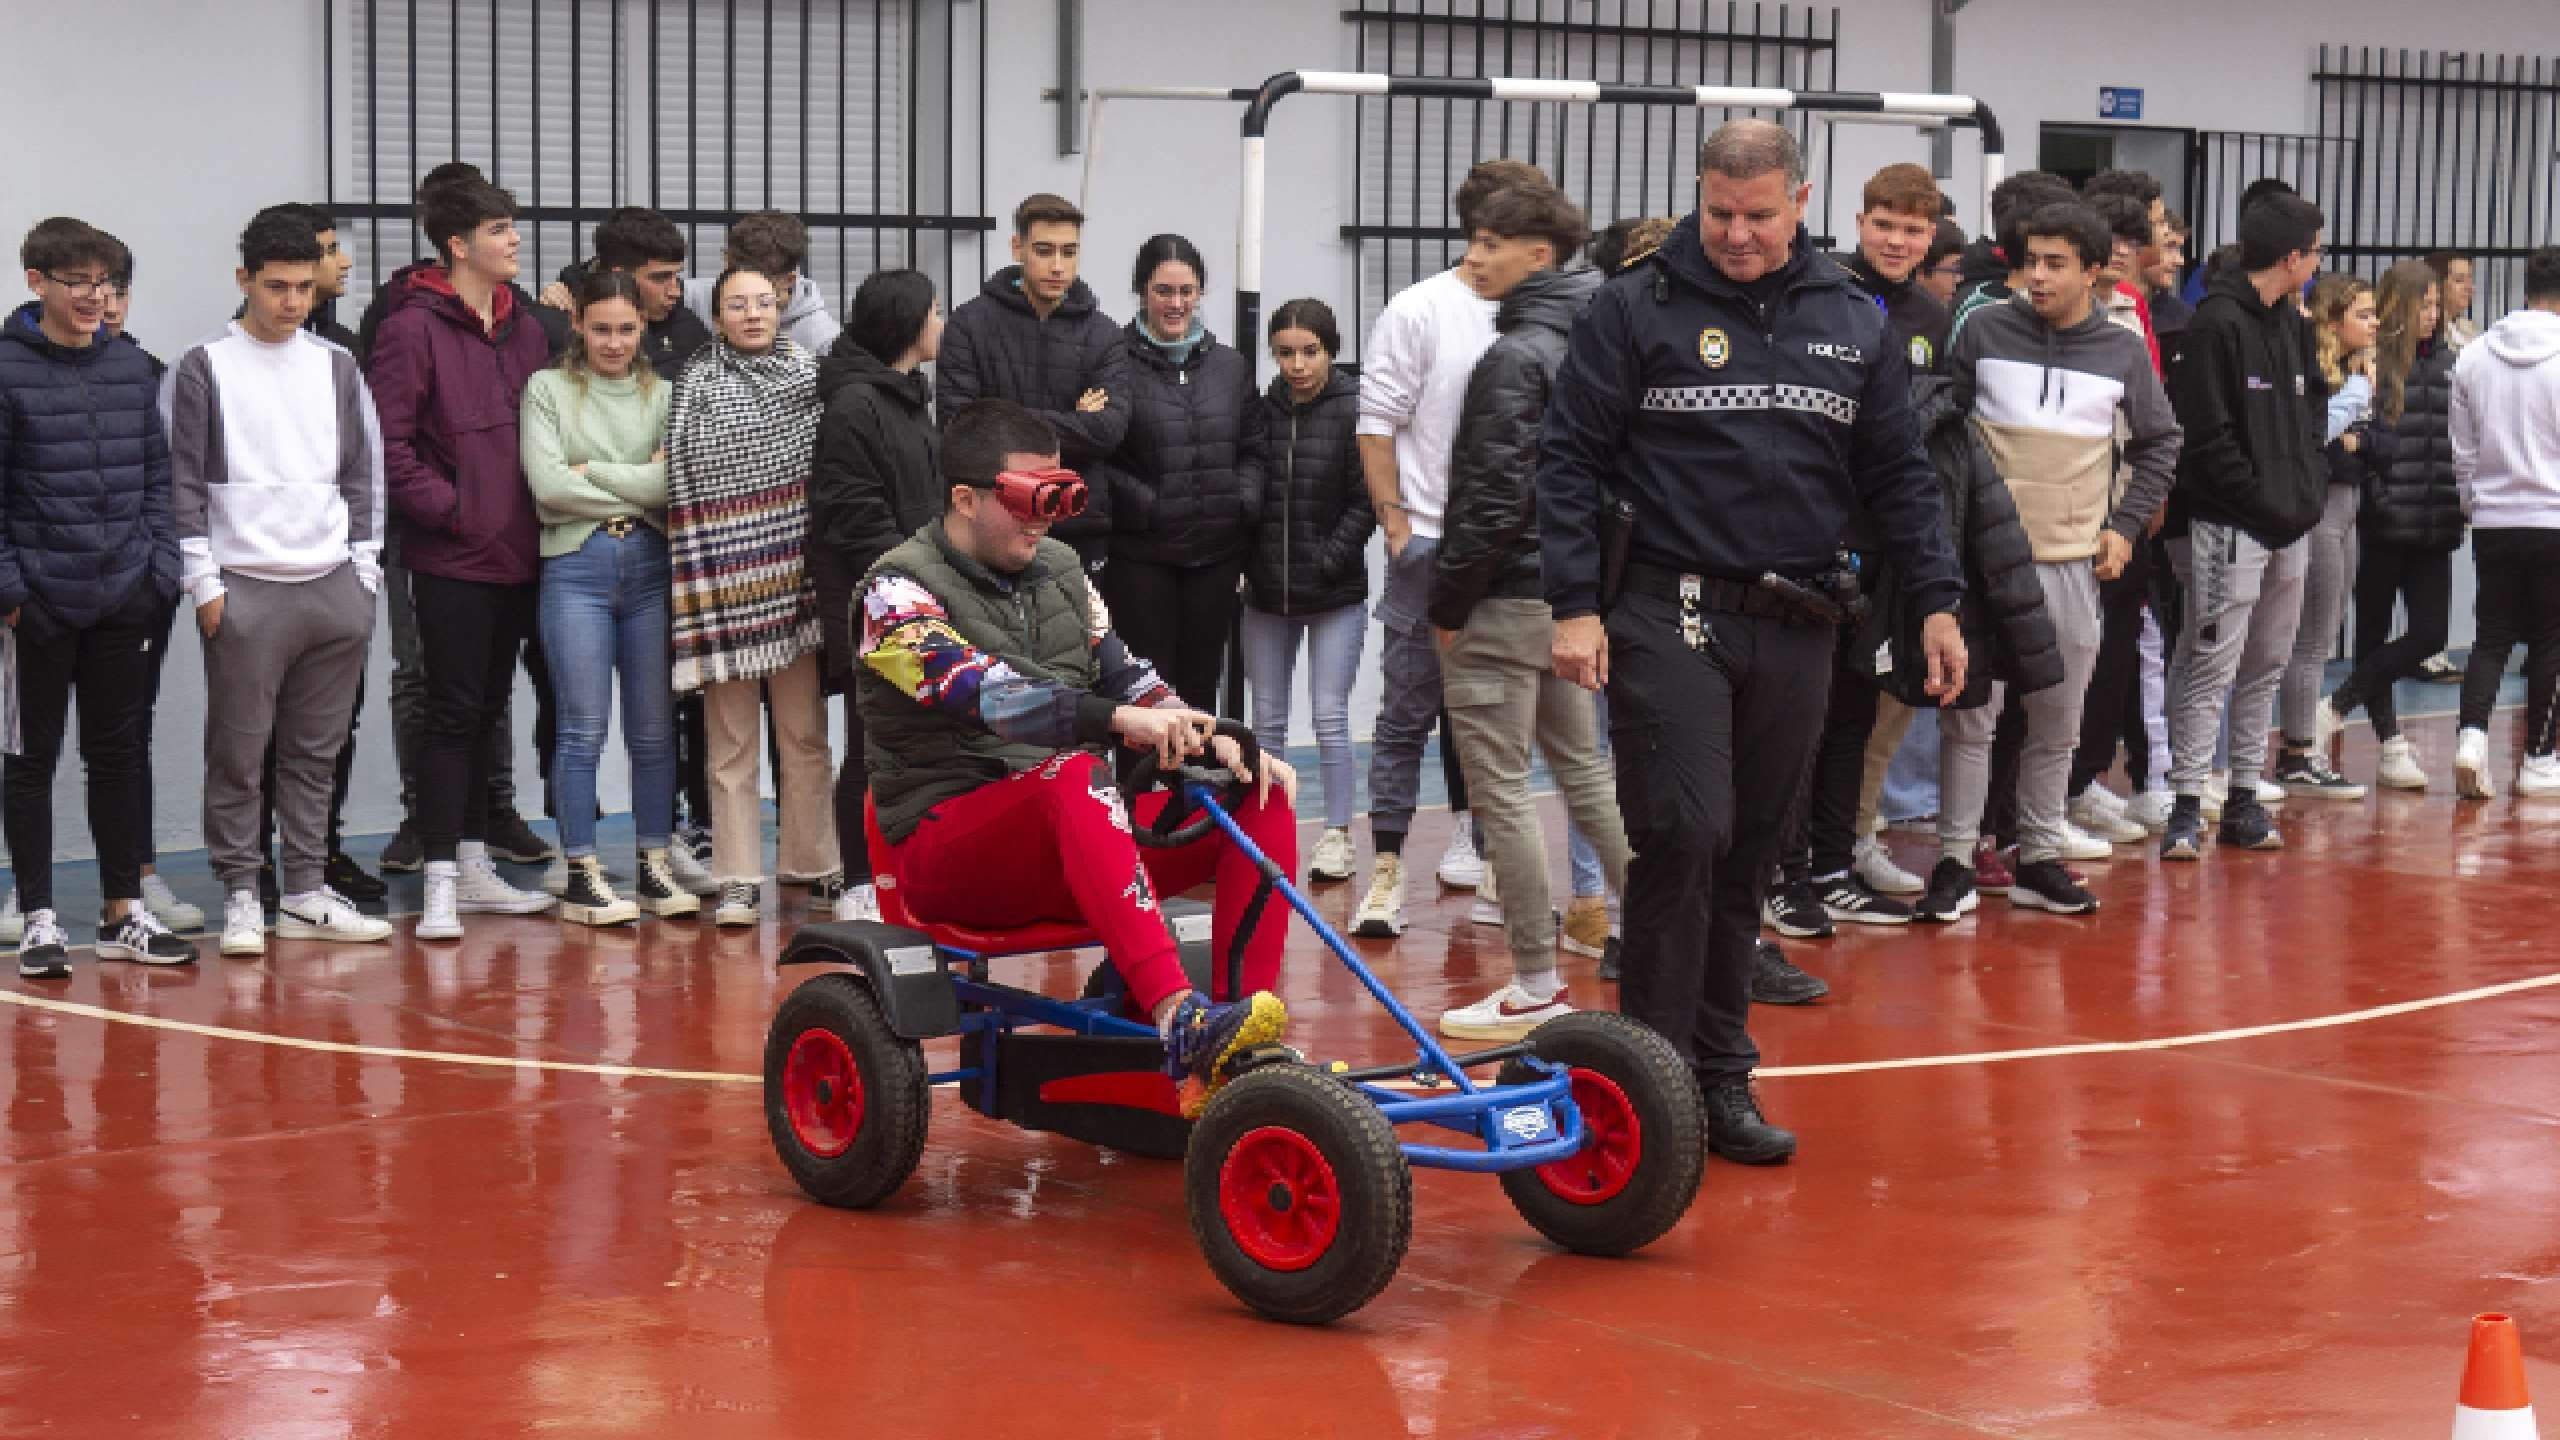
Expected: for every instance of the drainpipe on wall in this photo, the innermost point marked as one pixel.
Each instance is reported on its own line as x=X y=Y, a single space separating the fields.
x=1942 y=79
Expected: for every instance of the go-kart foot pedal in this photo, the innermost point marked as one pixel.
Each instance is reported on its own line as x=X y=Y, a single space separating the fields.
x=1256 y=1056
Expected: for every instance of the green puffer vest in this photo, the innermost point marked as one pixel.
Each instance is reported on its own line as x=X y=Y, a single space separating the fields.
x=1039 y=622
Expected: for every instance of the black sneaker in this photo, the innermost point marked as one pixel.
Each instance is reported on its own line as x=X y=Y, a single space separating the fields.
x=1793 y=910
x=2044 y=885
x=2184 y=837
x=658 y=892
x=1851 y=900
x=2246 y=825
x=1609 y=960
x=349 y=879
x=2440 y=670
x=1738 y=1131
x=1951 y=895
x=824 y=892
x=140 y=937
x=509 y=838
x=404 y=853
x=588 y=899
x=2307 y=773
x=1774 y=981
x=43 y=952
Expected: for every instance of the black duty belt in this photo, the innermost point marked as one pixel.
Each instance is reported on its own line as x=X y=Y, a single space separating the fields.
x=1728 y=597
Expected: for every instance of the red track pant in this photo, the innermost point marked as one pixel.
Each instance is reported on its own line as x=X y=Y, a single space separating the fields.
x=1052 y=843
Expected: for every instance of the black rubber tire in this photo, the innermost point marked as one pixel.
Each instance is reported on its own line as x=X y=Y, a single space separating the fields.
x=897 y=1098
x=1373 y=1186
x=1671 y=1157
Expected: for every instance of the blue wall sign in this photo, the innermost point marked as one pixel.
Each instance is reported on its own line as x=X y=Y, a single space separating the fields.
x=2119 y=102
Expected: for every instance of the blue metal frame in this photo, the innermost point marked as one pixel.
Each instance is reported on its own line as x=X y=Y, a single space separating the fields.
x=1542 y=1108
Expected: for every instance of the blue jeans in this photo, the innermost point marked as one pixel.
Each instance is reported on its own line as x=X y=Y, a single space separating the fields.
x=604 y=609
x=1589 y=878
x=1334 y=639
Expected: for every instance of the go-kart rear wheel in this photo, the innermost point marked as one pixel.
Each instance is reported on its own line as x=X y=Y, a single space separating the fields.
x=845 y=1098
x=1298 y=1194
x=1645 y=1138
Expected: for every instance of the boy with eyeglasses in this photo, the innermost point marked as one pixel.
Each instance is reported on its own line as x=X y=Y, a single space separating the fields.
x=88 y=575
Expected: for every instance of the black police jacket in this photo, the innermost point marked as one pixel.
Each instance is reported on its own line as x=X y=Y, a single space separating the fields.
x=1745 y=429
x=1489 y=546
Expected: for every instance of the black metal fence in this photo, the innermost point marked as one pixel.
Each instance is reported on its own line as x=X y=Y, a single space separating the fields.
x=859 y=116
x=2221 y=165
x=2459 y=155
x=1614 y=160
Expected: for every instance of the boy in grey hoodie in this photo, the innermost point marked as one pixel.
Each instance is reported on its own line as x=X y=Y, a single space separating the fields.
x=2054 y=387
x=2506 y=457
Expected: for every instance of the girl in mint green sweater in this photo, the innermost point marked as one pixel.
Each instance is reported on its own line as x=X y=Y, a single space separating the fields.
x=594 y=435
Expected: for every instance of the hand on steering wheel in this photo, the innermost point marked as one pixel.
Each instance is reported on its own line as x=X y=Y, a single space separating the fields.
x=1239 y=764
x=1271 y=771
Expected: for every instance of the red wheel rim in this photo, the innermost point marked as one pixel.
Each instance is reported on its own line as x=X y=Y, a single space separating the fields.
x=1279 y=1199
x=822 y=1093
x=1612 y=1143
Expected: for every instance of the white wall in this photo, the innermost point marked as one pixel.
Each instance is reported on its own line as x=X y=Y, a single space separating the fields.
x=209 y=111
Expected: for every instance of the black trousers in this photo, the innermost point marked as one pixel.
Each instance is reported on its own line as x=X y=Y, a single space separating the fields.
x=151 y=791
x=1711 y=744
x=693 y=765
x=1178 y=617
x=114 y=665
x=853 y=781
x=1452 y=774
x=2110 y=714
x=2519 y=599
x=2423 y=579
x=1822 y=825
x=469 y=634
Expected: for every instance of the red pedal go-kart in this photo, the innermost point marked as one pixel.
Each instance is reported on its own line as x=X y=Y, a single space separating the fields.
x=1298 y=1185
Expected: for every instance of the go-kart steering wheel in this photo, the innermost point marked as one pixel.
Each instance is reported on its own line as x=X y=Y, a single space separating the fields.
x=1180 y=822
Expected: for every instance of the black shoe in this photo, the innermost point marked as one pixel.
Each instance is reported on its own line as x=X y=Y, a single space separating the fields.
x=349 y=879
x=1738 y=1131
x=2045 y=885
x=1609 y=960
x=2307 y=772
x=2440 y=670
x=1776 y=982
x=270 y=894
x=404 y=853
x=588 y=898
x=2246 y=825
x=2184 y=837
x=44 y=953
x=1851 y=900
x=1951 y=894
x=1793 y=910
x=140 y=937
x=658 y=892
x=509 y=838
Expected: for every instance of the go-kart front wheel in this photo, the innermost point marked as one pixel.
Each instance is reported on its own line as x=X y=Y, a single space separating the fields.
x=1645 y=1139
x=845 y=1098
x=1298 y=1194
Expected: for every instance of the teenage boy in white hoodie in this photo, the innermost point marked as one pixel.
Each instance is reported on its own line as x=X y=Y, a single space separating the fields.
x=2506 y=455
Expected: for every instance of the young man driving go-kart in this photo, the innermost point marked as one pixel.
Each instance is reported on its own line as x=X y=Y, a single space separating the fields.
x=991 y=683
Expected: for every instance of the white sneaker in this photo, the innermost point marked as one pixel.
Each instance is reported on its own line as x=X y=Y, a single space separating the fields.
x=2470 y=778
x=1874 y=864
x=2217 y=789
x=859 y=902
x=2399 y=769
x=481 y=890
x=1506 y=1014
x=1461 y=868
x=1381 y=915
x=555 y=878
x=167 y=908
x=13 y=921
x=2151 y=808
x=1488 y=907
x=2079 y=844
x=325 y=914
x=741 y=903
x=689 y=873
x=2270 y=794
x=244 y=926
x=2539 y=777
x=1332 y=860
x=441 y=919
x=2093 y=815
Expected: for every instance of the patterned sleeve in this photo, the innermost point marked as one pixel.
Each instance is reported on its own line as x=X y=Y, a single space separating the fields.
x=1125 y=678
x=908 y=640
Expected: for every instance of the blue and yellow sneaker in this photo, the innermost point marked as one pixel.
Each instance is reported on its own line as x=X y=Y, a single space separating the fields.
x=1204 y=1037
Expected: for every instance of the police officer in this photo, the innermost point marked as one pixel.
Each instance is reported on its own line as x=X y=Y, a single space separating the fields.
x=1738 y=396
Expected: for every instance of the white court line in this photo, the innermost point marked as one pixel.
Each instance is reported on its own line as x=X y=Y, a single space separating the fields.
x=1772 y=1072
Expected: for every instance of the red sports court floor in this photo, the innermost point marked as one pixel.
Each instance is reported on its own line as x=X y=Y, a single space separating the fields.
x=293 y=1229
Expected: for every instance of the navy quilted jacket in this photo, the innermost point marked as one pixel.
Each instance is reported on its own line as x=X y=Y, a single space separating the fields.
x=84 y=477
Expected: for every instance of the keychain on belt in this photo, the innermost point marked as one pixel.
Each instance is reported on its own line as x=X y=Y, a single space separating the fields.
x=1694 y=632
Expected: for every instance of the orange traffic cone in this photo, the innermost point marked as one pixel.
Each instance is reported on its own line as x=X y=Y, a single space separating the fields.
x=2493 y=1404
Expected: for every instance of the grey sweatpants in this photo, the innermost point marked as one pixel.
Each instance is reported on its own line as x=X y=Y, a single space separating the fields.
x=285 y=662
x=1503 y=694
x=2244 y=605
x=2053 y=731
x=2329 y=577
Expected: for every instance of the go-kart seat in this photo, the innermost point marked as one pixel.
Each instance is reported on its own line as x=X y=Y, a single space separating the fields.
x=1037 y=938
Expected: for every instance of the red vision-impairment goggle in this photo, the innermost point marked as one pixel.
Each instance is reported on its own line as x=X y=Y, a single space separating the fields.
x=1033 y=495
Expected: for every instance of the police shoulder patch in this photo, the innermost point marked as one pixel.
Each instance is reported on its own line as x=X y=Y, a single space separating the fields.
x=1714 y=347
x=1921 y=355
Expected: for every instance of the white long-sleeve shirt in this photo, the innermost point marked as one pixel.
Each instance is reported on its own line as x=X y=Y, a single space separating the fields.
x=1413 y=384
